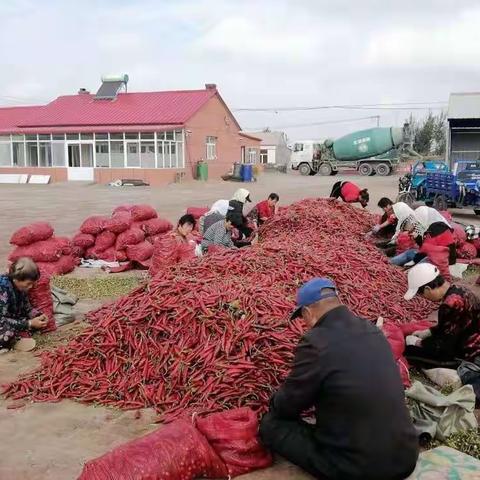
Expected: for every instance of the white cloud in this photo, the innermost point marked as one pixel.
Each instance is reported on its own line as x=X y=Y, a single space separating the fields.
x=454 y=44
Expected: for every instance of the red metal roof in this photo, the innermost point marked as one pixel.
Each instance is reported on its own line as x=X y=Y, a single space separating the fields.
x=10 y=117
x=146 y=108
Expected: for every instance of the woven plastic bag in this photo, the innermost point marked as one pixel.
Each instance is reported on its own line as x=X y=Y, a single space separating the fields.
x=233 y=434
x=32 y=233
x=177 y=451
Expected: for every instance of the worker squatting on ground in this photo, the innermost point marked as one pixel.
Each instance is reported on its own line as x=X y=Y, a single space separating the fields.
x=16 y=313
x=426 y=226
x=350 y=193
x=457 y=332
x=345 y=370
x=235 y=208
x=265 y=209
x=220 y=233
x=183 y=232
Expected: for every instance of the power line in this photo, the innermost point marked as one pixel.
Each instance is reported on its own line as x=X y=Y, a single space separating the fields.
x=312 y=124
x=368 y=106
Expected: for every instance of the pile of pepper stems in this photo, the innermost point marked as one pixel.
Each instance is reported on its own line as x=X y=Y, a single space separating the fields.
x=214 y=333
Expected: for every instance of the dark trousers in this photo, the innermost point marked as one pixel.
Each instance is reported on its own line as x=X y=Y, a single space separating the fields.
x=336 y=190
x=294 y=440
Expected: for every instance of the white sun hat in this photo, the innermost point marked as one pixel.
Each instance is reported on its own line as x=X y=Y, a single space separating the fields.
x=418 y=276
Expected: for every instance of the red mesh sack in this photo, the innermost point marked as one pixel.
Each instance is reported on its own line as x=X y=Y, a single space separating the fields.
x=396 y=339
x=140 y=252
x=154 y=226
x=122 y=208
x=143 y=212
x=121 y=256
x=108 y=255
x=167 y=251
x=104 y=240
x=459 y=234
x=467 y=250
x=438 y=256
x=446 y=215
x=130 y=237
x=83 y=240
x=78 y=252
x=119 y=222
x=65 y=264
x=93 y=225
x=404 y=242
x=65 y=244
x=476 y=242
x=174 y=451
x=233 y=434
x=44 y=251
x=197 y=212
x=41 y=299
x=35 y=232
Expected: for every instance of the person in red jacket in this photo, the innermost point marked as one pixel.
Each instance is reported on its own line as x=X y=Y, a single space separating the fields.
x=266 y=208
x=350 y=193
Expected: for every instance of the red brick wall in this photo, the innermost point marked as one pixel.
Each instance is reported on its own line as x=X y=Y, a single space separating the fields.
x=153 y=176
x=214 y=120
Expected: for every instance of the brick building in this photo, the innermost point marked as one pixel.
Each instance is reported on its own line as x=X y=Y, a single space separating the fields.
x=154 y=136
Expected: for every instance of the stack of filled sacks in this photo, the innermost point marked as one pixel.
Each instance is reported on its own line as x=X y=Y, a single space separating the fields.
x=128 y=235
x=53 y=255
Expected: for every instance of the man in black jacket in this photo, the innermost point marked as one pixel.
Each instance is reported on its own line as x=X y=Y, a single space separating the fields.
x=344 y=368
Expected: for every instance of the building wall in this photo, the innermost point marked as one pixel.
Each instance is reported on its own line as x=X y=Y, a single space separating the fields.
x=57 y=174
x=215 y=120
x=153 y=176
x=464 y=140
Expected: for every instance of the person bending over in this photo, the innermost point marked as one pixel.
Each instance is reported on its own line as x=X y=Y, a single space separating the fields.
x=350 y=193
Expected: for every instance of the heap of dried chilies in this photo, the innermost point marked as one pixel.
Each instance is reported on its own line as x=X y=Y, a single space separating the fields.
x=215 y=333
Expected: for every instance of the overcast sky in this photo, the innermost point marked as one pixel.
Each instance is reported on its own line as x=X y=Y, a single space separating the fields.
x=260 y=53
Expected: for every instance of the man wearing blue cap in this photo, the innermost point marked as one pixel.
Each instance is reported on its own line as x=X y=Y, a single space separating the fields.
x=344 y=369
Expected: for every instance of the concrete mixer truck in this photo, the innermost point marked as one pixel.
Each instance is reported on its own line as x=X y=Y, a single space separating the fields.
x=372 y=151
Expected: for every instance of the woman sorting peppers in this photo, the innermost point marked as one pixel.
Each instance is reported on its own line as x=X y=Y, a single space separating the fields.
x=16 y=313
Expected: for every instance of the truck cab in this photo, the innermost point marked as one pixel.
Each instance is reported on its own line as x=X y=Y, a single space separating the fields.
x=303 y=152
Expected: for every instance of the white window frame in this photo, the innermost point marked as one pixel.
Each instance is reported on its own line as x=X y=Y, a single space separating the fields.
x=211 y=147
x=252 y=155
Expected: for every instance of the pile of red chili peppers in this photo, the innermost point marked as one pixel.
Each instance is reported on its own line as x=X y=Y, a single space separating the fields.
x=215 y=333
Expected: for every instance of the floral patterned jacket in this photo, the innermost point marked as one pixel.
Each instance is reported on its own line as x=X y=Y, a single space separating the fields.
x=457 y=333
x=15 y=308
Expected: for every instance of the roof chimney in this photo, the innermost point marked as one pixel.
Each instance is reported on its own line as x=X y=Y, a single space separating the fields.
x=211 y=86
x=83 y=91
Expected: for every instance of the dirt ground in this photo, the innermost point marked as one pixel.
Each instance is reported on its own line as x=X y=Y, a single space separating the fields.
x=52 y=441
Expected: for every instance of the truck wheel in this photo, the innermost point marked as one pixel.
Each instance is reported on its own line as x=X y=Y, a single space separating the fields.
x=440 y=202
x=383 y=169
x=476 y=211
x=334 y=172
x=325 y=169
x=365 y=169
x=304 y=169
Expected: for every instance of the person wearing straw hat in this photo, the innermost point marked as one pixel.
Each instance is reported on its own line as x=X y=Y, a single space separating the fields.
x=457 y=332
x=343 y=369
x=16 y=313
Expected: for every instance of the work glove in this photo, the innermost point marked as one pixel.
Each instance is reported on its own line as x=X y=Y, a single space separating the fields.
x=423 y=333
x=412 y=340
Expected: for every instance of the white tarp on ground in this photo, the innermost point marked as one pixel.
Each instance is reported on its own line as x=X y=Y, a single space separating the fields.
x=13 y=178
x=39 y=179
